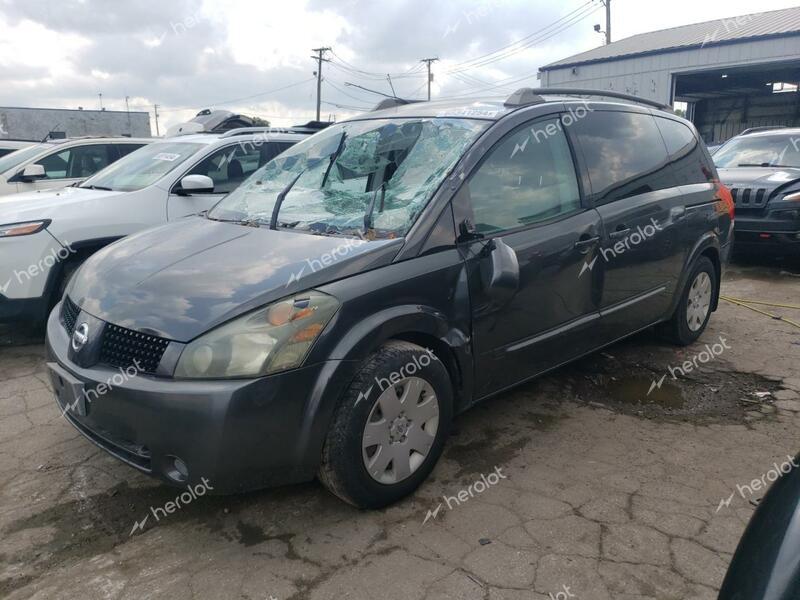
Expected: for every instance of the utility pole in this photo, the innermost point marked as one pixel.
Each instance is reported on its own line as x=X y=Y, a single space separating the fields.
x=100 y=95
x=430 y=75
x=319 y=58
x=155 y=107
x=608 y=20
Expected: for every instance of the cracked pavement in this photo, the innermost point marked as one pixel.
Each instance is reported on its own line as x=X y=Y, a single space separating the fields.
x=609 y=493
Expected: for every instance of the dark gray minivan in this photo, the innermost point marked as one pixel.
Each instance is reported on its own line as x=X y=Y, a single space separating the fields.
x=332 y=315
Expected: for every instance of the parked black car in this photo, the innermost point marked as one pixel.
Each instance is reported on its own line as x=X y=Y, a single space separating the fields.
x=765 y=565
x=333 y=314
x=762 y=169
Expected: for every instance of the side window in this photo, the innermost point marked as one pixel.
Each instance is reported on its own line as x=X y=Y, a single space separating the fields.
x=56 y=165
x=77 y=162
x=272 y=149
x=229 y=166
x=625 y=154
x=526 y=178
x=690 y=164
x=125 y=149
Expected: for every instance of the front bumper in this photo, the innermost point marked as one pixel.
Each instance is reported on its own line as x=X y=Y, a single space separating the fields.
x=777 y=230
x=237 y=434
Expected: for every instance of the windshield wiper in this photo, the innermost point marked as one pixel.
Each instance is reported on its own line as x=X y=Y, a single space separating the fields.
x=273 y=223
x=368 y=224
x=766 y=164
x=333 y=158
x=96 y=187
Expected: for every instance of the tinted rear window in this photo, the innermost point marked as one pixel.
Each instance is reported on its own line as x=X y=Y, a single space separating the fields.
x=625 y=154
x=689 y=163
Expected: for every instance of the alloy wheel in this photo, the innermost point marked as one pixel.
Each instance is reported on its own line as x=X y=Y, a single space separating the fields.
x=699 y=301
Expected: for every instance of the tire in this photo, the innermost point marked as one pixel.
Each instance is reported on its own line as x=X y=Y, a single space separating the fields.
x=358 y=472
x=691 y=318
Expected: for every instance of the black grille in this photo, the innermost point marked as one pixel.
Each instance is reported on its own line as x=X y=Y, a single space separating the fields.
x=121 y=347
x=749 y=197
x=69 y=314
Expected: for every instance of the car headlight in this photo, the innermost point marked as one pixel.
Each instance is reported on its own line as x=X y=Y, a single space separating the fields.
x=271 y=339
x=792 y=196
x=18 y=229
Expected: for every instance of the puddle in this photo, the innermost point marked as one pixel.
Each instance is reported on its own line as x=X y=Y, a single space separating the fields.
x=639 y=390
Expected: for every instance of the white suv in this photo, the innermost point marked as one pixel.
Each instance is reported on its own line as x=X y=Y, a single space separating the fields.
x=58 y=163
x=45 y=236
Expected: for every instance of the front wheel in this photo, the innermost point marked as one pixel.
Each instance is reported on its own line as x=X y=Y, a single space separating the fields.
x=389 y=430
x=694 y=310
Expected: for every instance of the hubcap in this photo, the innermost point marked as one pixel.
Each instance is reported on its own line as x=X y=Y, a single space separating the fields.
x=699 y=301
x=400 y=430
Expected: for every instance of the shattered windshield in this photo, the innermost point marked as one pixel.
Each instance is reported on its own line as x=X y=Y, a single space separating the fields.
x=368 y=178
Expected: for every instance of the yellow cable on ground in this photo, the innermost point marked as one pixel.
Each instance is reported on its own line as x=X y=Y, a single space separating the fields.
x=740 y=302
x=764 y=303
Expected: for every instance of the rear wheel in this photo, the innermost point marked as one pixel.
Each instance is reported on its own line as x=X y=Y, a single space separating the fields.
x=694 y=310
x=389 y=429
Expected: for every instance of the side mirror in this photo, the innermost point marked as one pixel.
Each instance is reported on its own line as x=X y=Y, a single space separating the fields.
x=196 y=184
x=32 y=173
x=499 y=271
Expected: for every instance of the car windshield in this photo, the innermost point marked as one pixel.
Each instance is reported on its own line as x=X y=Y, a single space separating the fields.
x=14 y=159
x=369 y=178
x=142 y=167
x=759 y=151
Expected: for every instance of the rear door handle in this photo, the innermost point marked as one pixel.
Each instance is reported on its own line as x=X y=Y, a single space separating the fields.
x=620 y=232
x=585 y=242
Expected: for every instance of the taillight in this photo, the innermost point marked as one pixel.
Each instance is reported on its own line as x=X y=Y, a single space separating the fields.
x=723 y=194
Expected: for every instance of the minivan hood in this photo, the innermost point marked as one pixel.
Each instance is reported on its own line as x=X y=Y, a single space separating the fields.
x=182 y=279
x=16 y=208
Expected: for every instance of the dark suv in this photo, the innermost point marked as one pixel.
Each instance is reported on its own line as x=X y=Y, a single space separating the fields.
x=333 y=314
x=762 y=170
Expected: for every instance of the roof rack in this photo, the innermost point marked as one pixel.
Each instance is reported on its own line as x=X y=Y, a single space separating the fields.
x=393 y=103
x=249 y=130
x=524 y=96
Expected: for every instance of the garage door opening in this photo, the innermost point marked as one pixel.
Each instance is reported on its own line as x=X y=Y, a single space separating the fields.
x=724 y=102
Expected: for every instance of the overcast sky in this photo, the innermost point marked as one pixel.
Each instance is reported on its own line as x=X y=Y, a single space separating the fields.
x=254 y=56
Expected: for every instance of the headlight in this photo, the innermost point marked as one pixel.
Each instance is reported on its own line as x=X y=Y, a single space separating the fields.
x=270 y=339
x=17 y=229
x=792 y=196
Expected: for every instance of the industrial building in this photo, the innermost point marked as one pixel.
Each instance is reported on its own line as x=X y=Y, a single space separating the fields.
x=36 y=123
x=733 y=73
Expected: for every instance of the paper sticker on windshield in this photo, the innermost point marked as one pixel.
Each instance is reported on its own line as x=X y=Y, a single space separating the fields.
x=166 y=156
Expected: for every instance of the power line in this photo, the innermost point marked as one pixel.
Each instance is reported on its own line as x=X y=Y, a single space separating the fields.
x=529 y=41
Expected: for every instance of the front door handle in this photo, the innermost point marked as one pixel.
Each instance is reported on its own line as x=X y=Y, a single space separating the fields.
x=585 y=242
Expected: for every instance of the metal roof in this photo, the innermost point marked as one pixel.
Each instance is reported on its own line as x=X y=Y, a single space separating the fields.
x=697 y=35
